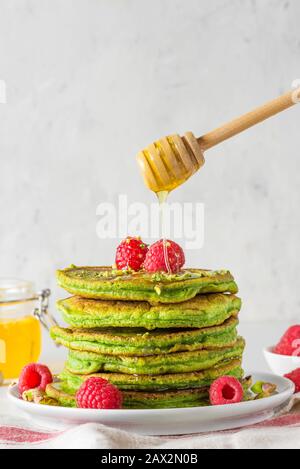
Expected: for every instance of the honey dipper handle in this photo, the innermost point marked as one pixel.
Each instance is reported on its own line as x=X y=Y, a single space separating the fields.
x=248 y=120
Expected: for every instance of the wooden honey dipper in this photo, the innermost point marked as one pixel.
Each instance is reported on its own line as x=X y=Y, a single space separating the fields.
x=170 y=161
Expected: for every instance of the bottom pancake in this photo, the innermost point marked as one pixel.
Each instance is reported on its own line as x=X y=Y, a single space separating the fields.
x=70 y=382
x=141 y=400
x=148 y=400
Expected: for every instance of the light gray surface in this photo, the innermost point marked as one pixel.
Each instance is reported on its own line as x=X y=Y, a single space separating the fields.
x=259 y=335
x=89 y=83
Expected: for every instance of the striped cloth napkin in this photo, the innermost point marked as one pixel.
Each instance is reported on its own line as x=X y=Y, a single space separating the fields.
x=18 y=431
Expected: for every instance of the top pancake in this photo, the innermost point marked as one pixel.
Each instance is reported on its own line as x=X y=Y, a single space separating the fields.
x=109 y=284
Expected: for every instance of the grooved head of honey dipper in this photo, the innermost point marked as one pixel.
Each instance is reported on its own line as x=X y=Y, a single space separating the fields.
x=170 y=161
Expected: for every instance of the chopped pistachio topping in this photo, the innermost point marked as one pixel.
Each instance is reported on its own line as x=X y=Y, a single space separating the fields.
x=160 y=276
x=49 y=401
x=38 y=397
x=257 y=387
x=101 y=274
x=33 y=395
x=263 y=390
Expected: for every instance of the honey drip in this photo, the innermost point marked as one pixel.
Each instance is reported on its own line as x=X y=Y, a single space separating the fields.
x=162 y=200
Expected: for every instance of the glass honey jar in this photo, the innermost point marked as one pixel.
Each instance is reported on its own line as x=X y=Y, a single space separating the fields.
x=22 y=311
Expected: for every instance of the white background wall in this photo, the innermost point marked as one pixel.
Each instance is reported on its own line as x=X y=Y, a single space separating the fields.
x=90 y=82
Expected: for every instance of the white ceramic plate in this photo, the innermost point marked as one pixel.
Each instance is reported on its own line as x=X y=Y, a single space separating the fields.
x=167 y=421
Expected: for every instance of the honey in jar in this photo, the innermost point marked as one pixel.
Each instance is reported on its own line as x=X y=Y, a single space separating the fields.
x=20 y=331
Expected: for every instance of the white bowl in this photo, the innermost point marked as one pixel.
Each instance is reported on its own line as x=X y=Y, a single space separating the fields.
x=281 y=364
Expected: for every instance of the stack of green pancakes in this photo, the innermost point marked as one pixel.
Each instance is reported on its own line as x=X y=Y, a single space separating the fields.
x=161 y=338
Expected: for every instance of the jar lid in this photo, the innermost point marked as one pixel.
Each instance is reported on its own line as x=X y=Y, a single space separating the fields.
x=12 y=289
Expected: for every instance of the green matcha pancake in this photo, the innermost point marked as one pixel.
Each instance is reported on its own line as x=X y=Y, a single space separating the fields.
x=180 y=362
x=106 y=283
x=71 y=382
x=141 y=400
x=147 y=400
x=140 y=342
x=201 y=311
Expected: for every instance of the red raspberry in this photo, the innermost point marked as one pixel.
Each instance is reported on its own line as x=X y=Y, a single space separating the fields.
x=295 y=377
x=98 y=393
x=33 y=376
x=226 y=390
x=155 y=259
x=289 y=343
x=131 y=254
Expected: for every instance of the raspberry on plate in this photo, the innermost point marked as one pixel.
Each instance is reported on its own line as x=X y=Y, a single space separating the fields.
x=98 y=393
x=164 y=256
x=33 y=376
x=226 y=390
x=131 y=254
x=295 y=377
x=289 y=343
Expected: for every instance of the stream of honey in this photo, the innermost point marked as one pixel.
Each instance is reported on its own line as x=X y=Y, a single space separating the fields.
x=162 y=200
